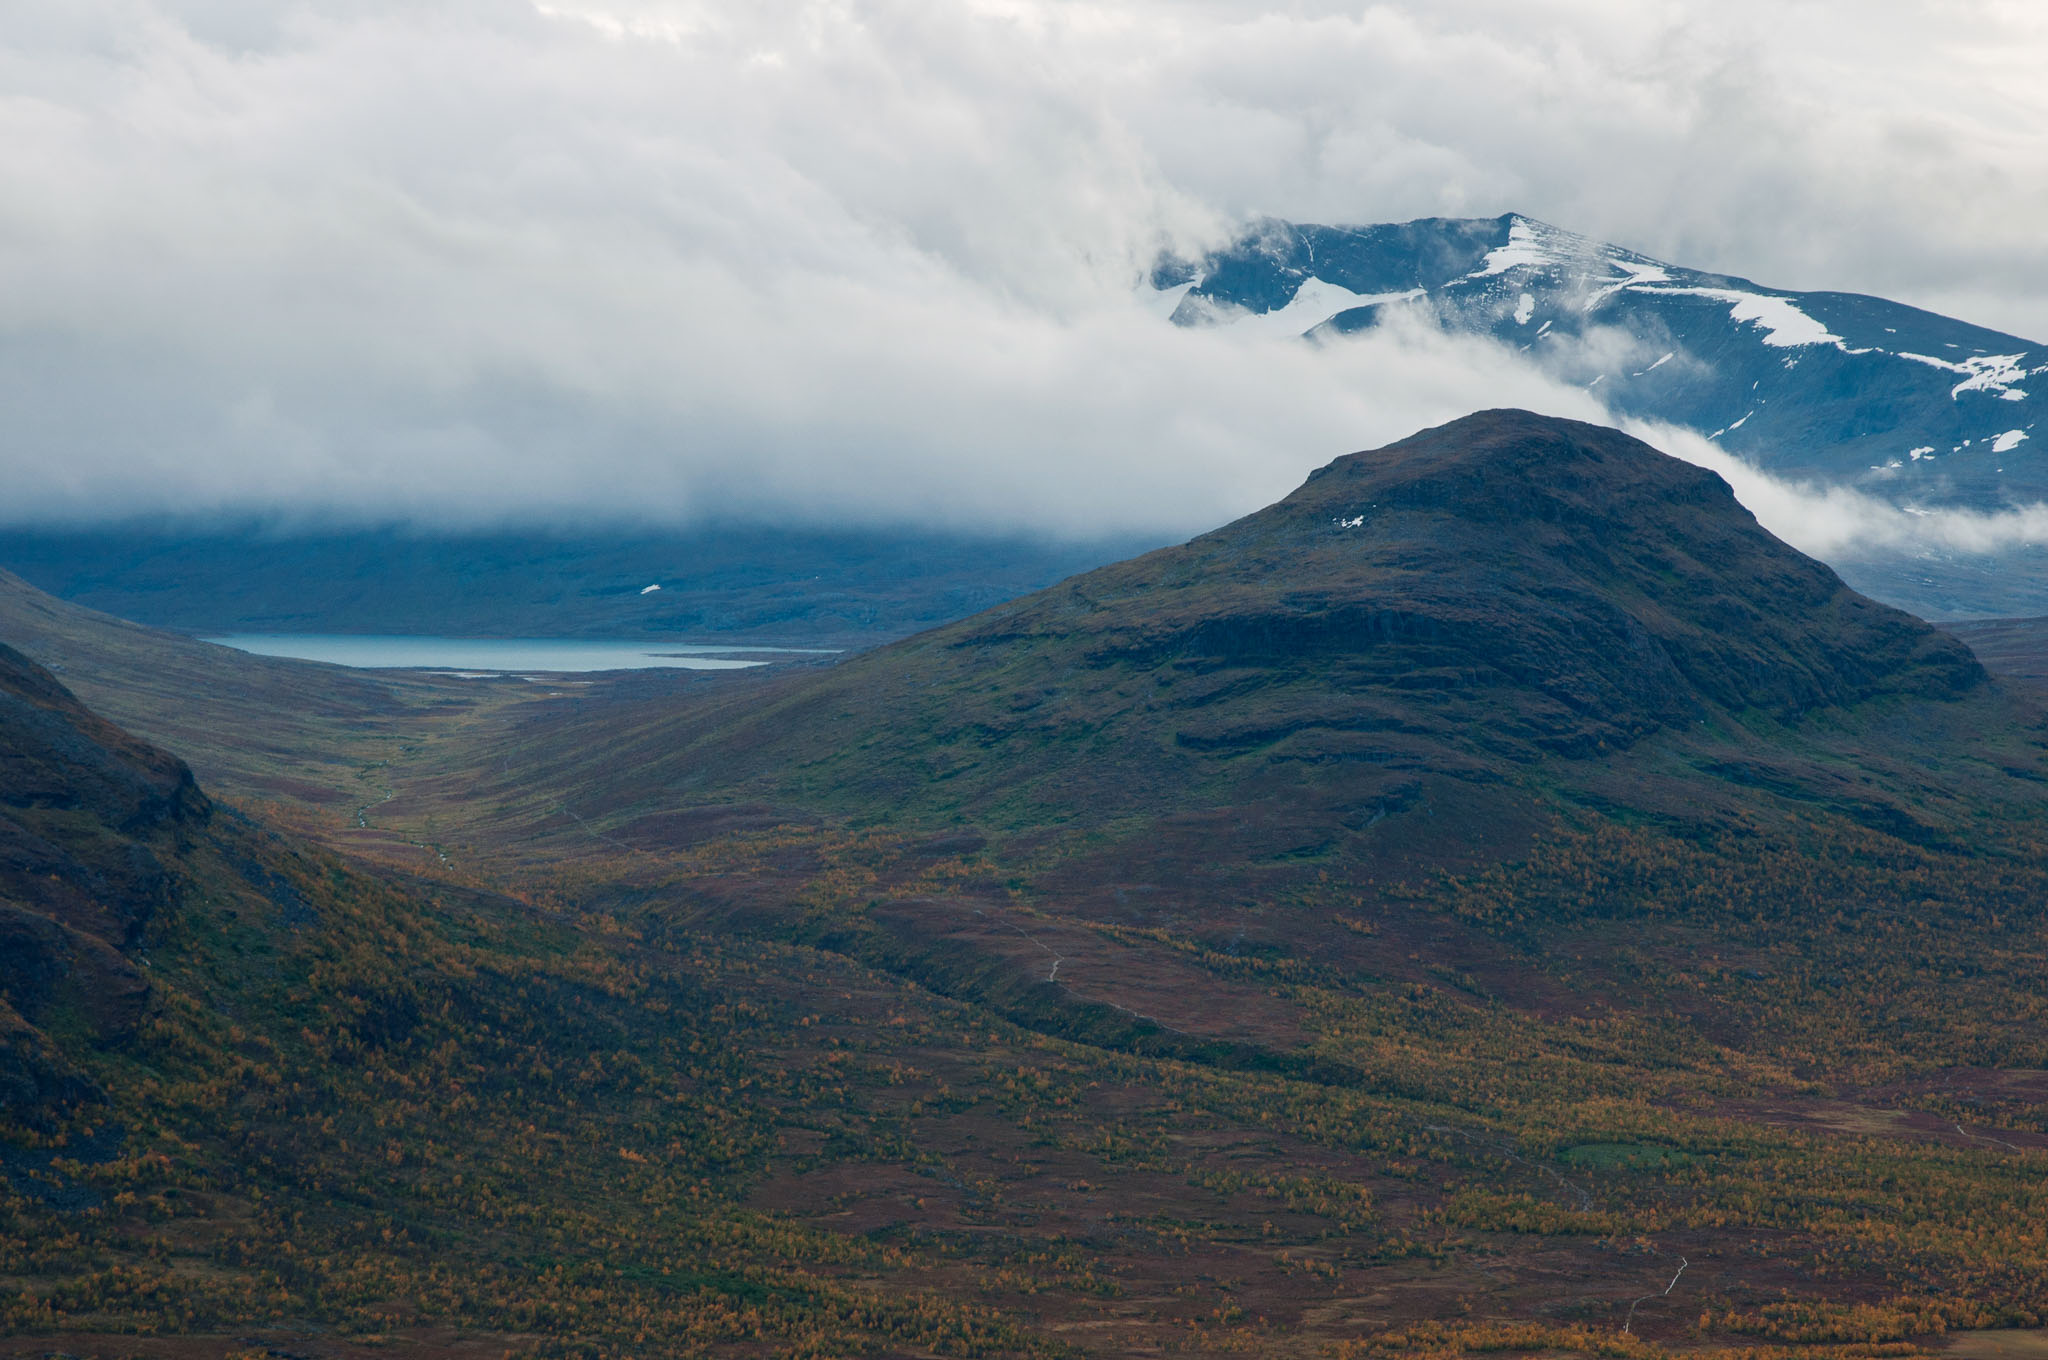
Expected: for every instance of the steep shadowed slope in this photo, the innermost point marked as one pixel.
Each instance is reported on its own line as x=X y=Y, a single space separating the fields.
x=87 y=813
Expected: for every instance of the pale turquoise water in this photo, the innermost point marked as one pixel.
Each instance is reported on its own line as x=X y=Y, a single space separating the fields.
x=503 y=654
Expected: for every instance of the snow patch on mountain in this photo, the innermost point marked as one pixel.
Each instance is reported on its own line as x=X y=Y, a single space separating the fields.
x=1783 y=324
x=1529 y=243
x=1634 y=272
x=1313 y=302
x=1316 y=301
x=1992 y=374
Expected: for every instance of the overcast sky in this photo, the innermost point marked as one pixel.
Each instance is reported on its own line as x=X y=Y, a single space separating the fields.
x=467 y=260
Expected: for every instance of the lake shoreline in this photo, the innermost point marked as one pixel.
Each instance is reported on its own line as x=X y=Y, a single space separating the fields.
x=482 y=657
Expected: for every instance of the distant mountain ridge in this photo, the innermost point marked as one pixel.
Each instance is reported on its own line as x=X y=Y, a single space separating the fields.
x=1837 y=388
x=1914 y=406
x=839 y=588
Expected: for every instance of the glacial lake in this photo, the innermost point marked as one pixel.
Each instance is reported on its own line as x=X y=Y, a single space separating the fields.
x=495 y=655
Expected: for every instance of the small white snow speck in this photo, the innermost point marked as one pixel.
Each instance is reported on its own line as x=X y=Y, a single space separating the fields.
x=649 y=590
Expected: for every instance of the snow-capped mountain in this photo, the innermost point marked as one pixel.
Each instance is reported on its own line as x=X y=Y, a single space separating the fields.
x=1837 y=387
x=1840 y=389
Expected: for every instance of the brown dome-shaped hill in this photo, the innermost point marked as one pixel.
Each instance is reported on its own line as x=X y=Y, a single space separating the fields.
x=1582 y=587
x=1502 y=591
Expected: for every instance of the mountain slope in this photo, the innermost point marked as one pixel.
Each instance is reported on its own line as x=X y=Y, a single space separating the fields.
x=87 y=813
x=1436 y=929
x=1479 y=600
x=251 y=1097
x=1507 y=787
x=257 y=729
x=1838 y=388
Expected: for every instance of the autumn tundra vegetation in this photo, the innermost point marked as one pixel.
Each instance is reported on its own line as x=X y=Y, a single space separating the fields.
x=1497 y=900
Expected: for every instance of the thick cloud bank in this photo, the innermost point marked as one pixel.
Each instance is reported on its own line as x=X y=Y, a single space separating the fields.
x=1840 y=524
x=864 y=261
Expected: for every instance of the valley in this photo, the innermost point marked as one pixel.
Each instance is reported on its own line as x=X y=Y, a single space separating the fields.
x=685 y=680
x=1497 y=899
